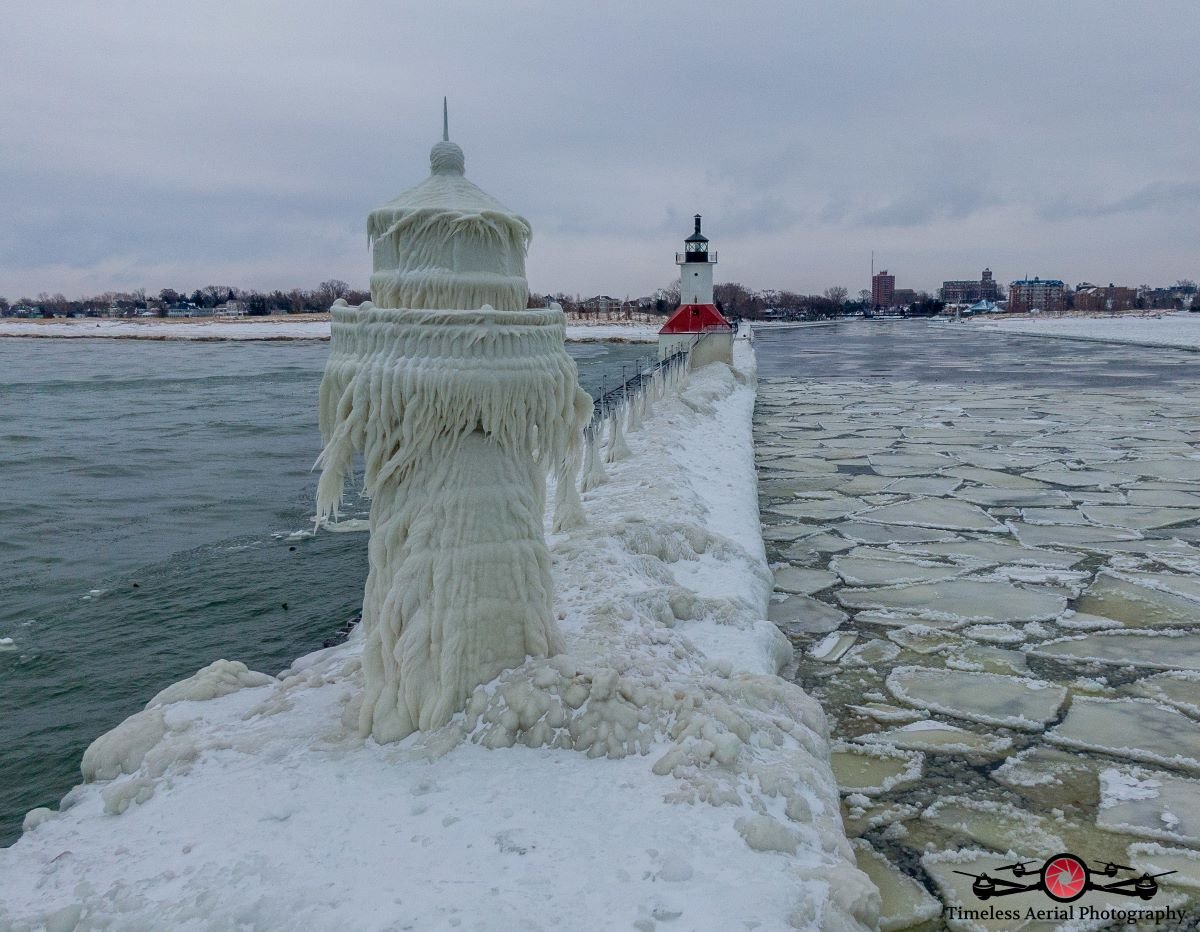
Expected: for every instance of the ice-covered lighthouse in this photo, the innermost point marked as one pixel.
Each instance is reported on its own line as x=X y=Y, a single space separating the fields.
x=697 y=316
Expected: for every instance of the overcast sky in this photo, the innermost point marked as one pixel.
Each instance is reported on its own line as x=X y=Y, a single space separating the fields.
x=160 y=143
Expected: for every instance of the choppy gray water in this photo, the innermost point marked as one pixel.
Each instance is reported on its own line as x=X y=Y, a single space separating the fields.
x=148 y=489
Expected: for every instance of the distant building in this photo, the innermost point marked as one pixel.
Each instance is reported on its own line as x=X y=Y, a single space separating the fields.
x=970 y=292
x=903 y=297
x=1181 y=295
x=883 y=289
x=1089 y=297
x=609 y=307
x=1036 y=294
x=231 y=309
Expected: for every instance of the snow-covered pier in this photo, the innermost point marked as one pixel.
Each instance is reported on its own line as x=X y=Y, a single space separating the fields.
x=707 y=796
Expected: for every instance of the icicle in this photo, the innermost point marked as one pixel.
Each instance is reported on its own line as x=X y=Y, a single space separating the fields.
x=634 y=421
x=568 y=506
x=593 y=472
x=617 y=448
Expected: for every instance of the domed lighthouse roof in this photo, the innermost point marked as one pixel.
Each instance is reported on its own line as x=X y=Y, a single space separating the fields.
x=447 y=244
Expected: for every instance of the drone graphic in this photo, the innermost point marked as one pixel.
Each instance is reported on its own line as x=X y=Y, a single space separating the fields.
x=1065 y=878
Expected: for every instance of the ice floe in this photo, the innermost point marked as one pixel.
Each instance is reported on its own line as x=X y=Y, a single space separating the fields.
x=1152 y=858
x=801 y=581
x=934 y=737
x=874 y=771
x=1179 y=688
x=999 y=826
x=989 y=698
x=946 y=514
x=1151 y=804
x=860 y=571
x=1132 y=603
x=961 y=600
x=905 y=903
x=1140 y=517
x=1068 y=535
x=1138 y=729
x=997 y=551
x=801 y=614
x=832 y=647
x=890 y=533
x=1076 y=478
x=1161 y=650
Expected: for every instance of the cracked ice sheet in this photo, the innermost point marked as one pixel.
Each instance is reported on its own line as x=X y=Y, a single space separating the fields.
x=1139 y=606
x=933 y=737
x=799 y=581
x=875 y=771
x=1180 y=689
x=997 y=825
x=997 y=551
x=1139 y=517
x=961 y=600
x=1138 y=729
x=866 y=571
x=800 y=615
x=905 y=903
x=945 y=514
x=1151 y=804
x=1160 y=650
x=988 y=698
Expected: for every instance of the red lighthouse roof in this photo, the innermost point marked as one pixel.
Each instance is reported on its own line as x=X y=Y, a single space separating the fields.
x=695 y=318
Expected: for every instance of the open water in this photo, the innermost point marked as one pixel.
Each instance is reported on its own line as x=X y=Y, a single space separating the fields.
x=148 y=491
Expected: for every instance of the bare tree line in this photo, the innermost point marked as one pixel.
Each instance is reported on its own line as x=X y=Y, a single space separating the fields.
x=133 y=303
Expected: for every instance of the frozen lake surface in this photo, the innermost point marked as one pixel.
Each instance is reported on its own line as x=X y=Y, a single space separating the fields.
x=987 y=554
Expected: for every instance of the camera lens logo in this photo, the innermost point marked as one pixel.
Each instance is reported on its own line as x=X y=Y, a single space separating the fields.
x=1066 y=878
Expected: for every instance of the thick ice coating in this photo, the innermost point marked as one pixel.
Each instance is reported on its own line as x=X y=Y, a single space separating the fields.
x=459 y=400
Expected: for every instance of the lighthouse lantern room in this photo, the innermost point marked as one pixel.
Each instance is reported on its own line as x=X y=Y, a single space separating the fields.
x=697 y=316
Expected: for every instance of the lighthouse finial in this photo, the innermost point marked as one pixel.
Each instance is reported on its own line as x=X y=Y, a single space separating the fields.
x=445 y=121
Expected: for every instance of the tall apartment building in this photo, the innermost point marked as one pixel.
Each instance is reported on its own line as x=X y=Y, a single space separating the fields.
x=883 y=289
x=1040 y=294
x=966 y=291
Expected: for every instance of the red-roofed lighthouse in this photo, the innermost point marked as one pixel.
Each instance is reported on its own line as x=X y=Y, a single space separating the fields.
x=697 y=314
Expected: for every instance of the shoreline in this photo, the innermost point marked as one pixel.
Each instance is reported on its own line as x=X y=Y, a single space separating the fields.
x=1178 y=330
x=296 y=328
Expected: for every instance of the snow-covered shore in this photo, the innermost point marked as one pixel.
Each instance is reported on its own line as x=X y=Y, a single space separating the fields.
x=308 y=327
x=1178 y=329
x=705 y=795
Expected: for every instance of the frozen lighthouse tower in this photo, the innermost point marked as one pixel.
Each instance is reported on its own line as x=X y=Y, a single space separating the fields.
x=697 y=322
x=459 y=400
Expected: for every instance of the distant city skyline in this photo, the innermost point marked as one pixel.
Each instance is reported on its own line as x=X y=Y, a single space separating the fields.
x=149 y=145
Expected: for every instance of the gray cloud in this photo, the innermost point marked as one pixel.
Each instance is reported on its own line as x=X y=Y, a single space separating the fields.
x=1155 y=196
x=246 y=142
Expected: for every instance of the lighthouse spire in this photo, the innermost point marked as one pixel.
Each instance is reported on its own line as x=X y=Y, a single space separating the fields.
x=445 y=121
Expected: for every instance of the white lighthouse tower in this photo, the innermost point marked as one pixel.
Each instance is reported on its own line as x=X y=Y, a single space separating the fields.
x=696 y=269
x=697 y=325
